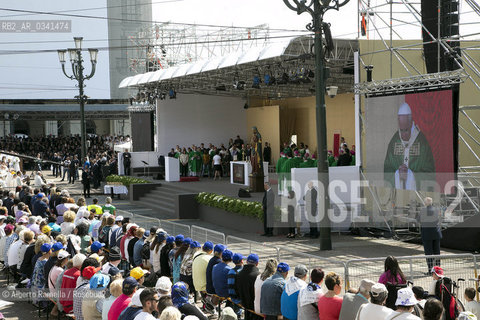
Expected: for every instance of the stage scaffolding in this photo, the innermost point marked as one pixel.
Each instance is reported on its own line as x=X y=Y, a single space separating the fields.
x=387 y=22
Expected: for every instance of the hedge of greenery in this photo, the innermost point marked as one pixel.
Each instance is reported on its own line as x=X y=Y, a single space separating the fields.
x=242 y=207
x=126 y=180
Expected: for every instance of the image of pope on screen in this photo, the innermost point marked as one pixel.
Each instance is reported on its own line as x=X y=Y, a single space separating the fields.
x=409 y=159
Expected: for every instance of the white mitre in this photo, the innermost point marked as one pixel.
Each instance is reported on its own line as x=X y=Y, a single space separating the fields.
x=404 y=110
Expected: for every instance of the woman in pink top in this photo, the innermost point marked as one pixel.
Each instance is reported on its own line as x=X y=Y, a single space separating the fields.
x=329 y=304
x=393 y=274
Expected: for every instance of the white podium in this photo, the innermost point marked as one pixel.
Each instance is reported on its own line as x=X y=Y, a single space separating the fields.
x=172 y=169
x=239 y=171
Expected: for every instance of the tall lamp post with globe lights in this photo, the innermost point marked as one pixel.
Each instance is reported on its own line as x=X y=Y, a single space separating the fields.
x=317 y=9
x=76 y=60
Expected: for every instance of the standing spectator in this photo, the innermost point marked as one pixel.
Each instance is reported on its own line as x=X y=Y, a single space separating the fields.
x=308 y=297
x=178 y=258
x=329 y=304
x=311 y=207
x=272 y=289
x=165 y=267
x=186 y=267
x=246 y=286
x=430 y=232
x=405 y=303
x=267 y=153
x=129 y=287
x=352 y=302
x=217 y=166
x=220 y=273
x=472 y=305
x=199 y=271
x=270 y=268
x=237 y=259
x=127 y=157
x=72 y=171
x=375 y=310
x=289 y=299
x=86 y=178
x=217 y=258
x=40 y=207
x=184 y=163
x=268 y=205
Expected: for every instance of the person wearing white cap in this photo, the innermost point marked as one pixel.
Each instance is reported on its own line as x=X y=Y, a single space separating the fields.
x=405 y=302
x=409 y=159
x=352 y=302
x=375 y=309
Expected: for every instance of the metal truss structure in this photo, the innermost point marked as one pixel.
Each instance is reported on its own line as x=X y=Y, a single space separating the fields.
x=429 y=81
x=398 y=20
x=292 y=71
x=165 y=45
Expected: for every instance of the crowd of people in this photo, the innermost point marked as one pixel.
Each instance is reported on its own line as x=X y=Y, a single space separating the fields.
x=95 y=264
x=214 y=161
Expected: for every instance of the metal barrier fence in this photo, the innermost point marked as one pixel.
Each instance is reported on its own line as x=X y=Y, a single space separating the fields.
x=175 y=228
x=264 y=251
x=353 y=271
x=294 y=258
x=415 y=269
x=203 y=234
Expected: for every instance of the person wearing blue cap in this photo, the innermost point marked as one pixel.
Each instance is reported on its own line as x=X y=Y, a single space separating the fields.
x=217 y=258
x=199 y=271
x=165 y=266
x=245 y=285
x=272 y=288
x=237 y=259
x=186 y=267
x=178 y=258
x=157 y=245
x=178 y=243
x=56 y=247
x=137 y=247
x=220 y=273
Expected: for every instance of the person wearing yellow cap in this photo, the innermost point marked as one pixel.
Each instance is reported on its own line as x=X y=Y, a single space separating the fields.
x=46 y=229
x=139 y=274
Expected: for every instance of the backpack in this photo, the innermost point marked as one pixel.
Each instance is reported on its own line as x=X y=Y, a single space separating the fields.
x=103 y=236
x=443 y=291
x=145 y=253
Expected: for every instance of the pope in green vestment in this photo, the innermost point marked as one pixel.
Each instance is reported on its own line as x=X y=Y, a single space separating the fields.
x=409 y=160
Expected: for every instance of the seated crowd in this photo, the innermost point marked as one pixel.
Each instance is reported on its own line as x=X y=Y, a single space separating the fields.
x=92 y=263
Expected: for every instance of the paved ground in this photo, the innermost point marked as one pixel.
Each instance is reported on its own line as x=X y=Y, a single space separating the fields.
x=345 y=246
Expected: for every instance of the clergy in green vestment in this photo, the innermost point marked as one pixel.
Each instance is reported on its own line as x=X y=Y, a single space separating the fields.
x=287 y=170
x=307 y=162
x=197 y=161
x=279 y=171
x=409 y=159
x=191 y=154
x=297 y=159
x=330 y=158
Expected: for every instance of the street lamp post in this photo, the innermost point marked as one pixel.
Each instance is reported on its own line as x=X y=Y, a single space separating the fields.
x=317 y=9
x=76 y=60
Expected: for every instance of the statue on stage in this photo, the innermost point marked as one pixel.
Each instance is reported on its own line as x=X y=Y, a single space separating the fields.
x=256 y=155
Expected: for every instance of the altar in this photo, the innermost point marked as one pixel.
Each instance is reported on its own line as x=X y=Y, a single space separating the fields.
x=240 y=170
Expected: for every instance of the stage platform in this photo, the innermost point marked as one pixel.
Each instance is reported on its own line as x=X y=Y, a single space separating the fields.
x=221 y=187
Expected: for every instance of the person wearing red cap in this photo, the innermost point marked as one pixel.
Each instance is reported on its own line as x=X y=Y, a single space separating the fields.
x=437 y=274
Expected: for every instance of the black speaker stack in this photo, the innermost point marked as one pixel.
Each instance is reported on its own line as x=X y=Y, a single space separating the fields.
x=449 y=31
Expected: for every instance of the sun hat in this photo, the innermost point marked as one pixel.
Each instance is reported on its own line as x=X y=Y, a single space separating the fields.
x=406 y=297
x=96 y=257
x=378 y=288
x=164 y=284
x=118 y=218
x=367 y=284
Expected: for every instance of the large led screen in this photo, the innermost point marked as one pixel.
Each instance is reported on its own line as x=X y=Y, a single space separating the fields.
x=409 y=140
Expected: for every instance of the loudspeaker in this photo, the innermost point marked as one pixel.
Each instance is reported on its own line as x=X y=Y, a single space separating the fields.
x=449 y=29
x=243 y=193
